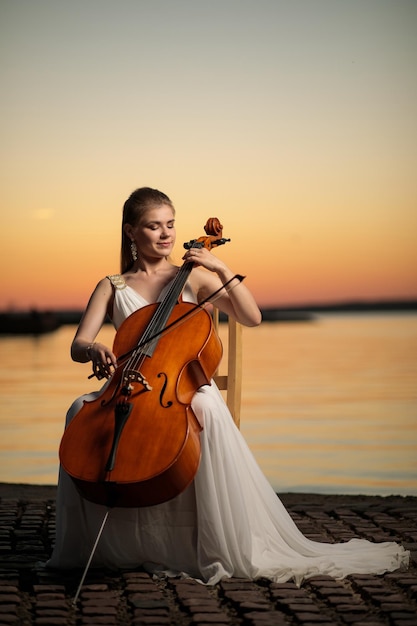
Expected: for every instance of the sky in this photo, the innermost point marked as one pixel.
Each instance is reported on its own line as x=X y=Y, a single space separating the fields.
x=292 y=121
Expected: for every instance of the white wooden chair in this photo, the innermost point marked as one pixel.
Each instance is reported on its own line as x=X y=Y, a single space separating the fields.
x=231 y=382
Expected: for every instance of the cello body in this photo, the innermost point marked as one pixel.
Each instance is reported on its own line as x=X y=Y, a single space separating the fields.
x=138 y=444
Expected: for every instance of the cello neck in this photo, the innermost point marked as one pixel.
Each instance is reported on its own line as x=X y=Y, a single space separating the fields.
x=164 y=310
x=162 y=314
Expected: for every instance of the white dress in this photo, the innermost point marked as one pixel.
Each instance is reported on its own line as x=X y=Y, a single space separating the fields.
x=228 y=522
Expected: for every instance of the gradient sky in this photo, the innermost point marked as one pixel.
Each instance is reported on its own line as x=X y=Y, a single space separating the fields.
x=293 y=121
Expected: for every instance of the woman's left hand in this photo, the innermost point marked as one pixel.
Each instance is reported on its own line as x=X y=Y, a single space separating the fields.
x=204 y=258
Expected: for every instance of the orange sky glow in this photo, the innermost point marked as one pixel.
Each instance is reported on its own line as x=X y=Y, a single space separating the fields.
x=294 y=122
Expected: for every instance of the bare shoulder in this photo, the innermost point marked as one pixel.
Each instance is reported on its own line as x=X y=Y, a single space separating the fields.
x=102 y=291
x=104 y=285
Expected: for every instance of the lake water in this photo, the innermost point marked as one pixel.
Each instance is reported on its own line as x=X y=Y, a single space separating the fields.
x=328 y=406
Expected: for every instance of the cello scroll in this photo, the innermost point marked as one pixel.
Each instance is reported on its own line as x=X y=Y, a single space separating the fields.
x=214 y=232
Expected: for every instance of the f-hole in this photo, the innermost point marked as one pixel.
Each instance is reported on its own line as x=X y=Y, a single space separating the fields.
x=164 y=405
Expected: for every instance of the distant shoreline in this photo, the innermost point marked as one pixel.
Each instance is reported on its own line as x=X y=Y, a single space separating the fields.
x=304 y=312
x=37 y=320
x=308 y=311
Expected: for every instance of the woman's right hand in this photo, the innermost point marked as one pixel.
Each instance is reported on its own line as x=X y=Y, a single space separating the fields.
x=103 y=360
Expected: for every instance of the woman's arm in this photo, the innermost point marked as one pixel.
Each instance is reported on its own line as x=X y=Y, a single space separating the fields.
x=83 y=347
x=237 y=300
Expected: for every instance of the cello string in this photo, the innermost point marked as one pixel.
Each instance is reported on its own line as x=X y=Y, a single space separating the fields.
x=160 y=317
x=211 y=299
x=165 y=308
x=155 y=321
x=155 y=326
x=162 y=313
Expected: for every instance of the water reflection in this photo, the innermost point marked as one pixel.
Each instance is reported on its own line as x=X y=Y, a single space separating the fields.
x=328 y=406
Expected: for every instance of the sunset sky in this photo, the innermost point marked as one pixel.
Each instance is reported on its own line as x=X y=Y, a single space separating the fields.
x=293 y=121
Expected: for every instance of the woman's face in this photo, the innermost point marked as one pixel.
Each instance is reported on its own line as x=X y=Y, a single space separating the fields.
x=155 y=233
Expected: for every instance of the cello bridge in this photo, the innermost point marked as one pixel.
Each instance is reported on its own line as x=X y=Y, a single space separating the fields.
x=133 y=376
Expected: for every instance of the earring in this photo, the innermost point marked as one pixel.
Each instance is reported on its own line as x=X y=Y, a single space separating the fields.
x=134 y=250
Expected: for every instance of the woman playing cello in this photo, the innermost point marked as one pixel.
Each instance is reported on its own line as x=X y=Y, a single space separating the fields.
x=228 y=521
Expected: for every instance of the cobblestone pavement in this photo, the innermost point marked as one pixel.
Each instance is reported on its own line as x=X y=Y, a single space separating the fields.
x=30 y=597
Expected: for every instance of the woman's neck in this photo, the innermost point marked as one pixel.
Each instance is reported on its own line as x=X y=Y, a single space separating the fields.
x=151 y=266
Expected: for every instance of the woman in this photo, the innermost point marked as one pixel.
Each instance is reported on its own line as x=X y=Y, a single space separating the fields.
x=229 y=521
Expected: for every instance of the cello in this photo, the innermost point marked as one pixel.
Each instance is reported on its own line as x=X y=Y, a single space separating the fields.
x=137 y=444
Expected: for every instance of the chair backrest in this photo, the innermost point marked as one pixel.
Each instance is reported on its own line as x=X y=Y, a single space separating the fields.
x=232 y=381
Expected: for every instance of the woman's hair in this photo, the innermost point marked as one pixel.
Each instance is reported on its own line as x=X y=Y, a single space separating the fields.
x=135 y=207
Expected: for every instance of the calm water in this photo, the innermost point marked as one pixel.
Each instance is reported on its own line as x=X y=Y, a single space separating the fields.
x=328 y=406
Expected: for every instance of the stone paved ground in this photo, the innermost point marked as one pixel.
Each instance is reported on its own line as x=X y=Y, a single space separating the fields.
x=30 y=597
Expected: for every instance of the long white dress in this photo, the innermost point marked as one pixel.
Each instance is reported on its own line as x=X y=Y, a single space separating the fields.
x=228 y=522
